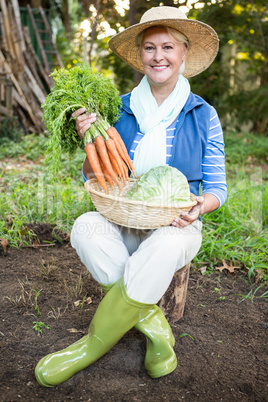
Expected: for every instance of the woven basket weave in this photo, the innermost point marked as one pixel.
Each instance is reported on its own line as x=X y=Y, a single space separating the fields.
x=134 y=214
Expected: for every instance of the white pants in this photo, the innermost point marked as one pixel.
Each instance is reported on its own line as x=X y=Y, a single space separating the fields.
x=147 y=259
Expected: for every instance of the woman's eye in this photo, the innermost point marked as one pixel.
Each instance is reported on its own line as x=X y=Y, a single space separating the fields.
x=168 y=47
x=149 y=48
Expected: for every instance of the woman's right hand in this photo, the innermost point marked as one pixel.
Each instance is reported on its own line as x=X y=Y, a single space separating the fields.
x=83 y=121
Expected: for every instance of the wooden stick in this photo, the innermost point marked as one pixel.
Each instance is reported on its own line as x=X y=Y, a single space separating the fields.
x=16 y=9
x=2 y=30
x=47 y=78
x=16 y=84
x=7 y=26
x=40 y=44
x=44 y=18
x=32 y=68
x=18 y=55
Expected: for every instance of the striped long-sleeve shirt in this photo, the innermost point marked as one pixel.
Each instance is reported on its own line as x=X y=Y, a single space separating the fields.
x=213 y=165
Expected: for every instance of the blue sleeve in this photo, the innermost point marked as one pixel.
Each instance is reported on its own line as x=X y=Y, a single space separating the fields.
x=213 y=166
x=84 y=176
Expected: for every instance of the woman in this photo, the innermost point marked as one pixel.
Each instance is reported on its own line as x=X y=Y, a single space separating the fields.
x=162 y=122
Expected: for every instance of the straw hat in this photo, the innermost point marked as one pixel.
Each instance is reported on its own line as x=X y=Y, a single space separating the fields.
x=203 y=40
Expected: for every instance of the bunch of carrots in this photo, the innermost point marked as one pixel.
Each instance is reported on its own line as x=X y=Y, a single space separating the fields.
x=107 y=155
x=82 y=87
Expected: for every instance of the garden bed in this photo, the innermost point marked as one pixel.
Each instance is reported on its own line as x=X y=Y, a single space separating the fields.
x=220 y=343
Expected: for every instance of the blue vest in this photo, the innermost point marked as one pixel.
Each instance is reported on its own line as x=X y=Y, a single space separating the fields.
x=190 y=139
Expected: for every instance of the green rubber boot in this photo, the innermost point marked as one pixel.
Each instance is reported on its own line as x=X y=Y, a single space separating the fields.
x=160 y=358
x=115 y=315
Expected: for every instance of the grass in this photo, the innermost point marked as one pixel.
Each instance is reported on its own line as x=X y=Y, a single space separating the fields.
x=29 y=196
x=28 y=296
x=237 y=232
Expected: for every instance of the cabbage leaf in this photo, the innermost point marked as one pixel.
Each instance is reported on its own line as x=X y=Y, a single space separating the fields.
x=162 y=185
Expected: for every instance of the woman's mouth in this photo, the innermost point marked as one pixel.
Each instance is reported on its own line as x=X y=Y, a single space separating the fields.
x=159 y=68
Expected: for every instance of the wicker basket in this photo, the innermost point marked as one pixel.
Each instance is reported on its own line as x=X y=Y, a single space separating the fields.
x=134 y=214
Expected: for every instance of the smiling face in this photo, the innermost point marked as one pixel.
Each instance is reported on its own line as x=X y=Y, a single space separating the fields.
x=161 y=56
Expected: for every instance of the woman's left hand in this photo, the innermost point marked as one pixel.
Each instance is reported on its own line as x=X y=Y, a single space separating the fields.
x=186 y=218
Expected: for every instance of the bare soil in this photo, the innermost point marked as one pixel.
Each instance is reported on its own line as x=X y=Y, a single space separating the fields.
x=221 y=344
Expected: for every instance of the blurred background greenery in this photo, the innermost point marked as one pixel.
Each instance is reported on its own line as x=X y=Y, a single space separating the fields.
x=236 y=83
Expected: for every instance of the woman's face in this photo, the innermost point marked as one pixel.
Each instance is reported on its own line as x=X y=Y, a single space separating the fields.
x=161 y=57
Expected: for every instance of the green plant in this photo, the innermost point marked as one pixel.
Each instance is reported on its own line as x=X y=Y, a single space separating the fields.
x=252 y=294
x=83 y=302
x=10 y=130
x=185 y=334
x=221 y=298
x=37 y=293
x=39 y=326
x=30 y=197
x=28 y=295
x=55 y=313
x=237 y=232
x=47 y=268
x=31 y=146
x=237 y=81
x=243 y=147
x=75 y=289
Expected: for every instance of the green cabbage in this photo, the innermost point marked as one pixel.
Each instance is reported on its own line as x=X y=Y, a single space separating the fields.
x=163 y=185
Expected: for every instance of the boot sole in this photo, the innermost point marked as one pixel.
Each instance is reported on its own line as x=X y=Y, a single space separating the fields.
x=162 y=371
x=39 y=378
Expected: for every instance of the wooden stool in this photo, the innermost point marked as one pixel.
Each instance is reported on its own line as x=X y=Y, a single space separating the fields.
x=173 y=302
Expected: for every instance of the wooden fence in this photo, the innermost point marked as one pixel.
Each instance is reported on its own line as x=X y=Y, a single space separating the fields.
x=24 y=79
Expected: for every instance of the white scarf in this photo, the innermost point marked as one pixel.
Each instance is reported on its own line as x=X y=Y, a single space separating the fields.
x=153 y=121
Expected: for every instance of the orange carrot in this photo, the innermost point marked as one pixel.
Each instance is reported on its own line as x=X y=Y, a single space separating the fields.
x=116 y=166
x=121 y=148
x=125 y=168
x=95 y=165
x=103 y=154
x=106 y=175
x=115 y=158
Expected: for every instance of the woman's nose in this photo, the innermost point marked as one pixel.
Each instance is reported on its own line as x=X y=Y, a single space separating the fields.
x=158 y=55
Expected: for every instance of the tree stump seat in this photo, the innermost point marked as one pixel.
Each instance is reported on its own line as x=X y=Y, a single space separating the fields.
x=173 y=301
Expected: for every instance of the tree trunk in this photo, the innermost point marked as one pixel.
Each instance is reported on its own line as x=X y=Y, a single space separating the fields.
x=93 y=32
x=173 y=302
x=66 y=19
x=36 y=3
x=86 y=4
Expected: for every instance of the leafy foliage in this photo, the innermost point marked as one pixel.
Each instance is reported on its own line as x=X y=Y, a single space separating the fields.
x=10 y=129
x=245 y=147
x=237 y=81
x=123 y=74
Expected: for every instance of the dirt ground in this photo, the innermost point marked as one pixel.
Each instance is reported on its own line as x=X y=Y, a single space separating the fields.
x=223 y=357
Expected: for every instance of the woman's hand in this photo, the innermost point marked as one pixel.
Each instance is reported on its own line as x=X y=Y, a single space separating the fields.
x=83 y=121
x=186 y=218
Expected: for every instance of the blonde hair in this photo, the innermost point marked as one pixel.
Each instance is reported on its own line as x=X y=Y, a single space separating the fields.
x=176 y=35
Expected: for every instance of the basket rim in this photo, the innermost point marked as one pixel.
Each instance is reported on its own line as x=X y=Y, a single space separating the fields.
x=135 y=202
